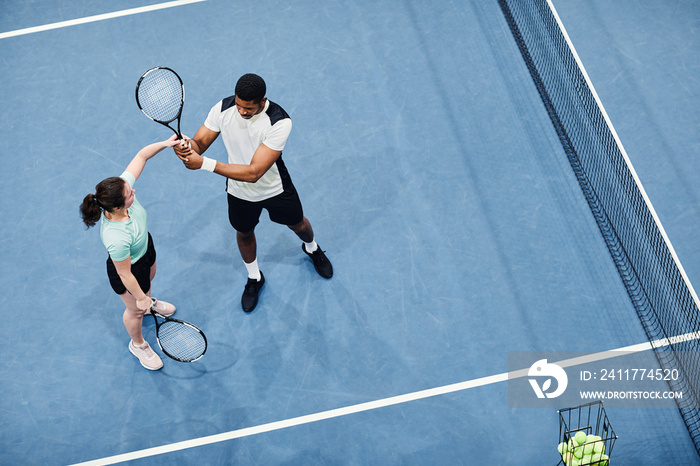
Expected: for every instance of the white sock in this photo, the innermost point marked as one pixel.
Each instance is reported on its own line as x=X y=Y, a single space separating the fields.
x=311 y=247
x=253 y=270
x=139 y=346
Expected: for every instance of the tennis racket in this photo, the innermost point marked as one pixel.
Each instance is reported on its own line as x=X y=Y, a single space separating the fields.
x=160 y=95
x=179 y=340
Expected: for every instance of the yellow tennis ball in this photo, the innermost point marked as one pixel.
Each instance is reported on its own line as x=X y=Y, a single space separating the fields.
x=599 y=459
x=562 y=448
x=580 y=437
x=599 y=447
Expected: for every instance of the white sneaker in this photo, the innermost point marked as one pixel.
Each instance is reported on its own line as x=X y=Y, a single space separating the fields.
x=163 y=308
x=146 y=356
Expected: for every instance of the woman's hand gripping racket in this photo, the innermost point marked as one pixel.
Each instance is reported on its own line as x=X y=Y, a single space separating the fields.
x=160 y=95
x=179 y=340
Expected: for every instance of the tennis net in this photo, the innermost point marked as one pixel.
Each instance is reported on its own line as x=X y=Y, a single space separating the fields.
x=660 y=291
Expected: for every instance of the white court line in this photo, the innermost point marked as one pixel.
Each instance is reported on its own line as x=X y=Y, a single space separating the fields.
x=358 y=408
x=92 y=19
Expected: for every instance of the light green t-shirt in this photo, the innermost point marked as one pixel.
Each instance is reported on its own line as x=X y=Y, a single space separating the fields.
x=130 y=238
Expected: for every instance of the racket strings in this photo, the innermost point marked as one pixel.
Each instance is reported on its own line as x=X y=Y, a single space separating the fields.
x=181 y=341
x=160 y=95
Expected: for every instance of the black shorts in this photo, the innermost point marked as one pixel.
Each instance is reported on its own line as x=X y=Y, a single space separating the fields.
x=285 y=209
x=141 y=270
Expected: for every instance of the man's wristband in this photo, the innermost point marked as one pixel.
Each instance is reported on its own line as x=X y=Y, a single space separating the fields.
x=208 y=164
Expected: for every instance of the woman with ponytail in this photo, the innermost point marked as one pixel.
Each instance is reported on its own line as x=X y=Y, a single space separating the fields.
x=131 y=264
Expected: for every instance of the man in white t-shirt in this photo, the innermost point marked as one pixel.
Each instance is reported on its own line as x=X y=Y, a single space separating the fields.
x=254 y=131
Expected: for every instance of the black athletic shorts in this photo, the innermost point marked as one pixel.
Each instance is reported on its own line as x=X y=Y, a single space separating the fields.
x=141 y=270
x=285 y=208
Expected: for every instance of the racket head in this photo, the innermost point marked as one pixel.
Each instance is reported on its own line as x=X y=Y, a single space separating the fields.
x=160 y=95
x=180 y=340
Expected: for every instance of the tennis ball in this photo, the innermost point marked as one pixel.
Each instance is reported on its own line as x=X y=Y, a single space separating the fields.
x=580 y=437
x=578 y=452
x=600 y=460
x=593 y=438
x=587 y=448
x=599 y=447
x=562 y=448
x=567 y=456
x=572 y=444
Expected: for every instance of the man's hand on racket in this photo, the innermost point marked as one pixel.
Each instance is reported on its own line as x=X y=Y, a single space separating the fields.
x=189 y=157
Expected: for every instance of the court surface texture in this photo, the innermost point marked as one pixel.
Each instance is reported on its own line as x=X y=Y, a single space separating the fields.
x=433 y=179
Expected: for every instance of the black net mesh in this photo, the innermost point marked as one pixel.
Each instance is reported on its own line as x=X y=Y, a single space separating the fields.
x=659 y=290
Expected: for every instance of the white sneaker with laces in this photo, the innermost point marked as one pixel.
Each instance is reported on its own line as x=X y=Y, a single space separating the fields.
x=146 y=356
x=163 y=308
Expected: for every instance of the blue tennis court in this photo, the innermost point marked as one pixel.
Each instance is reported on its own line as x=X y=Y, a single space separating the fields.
x=434 y=181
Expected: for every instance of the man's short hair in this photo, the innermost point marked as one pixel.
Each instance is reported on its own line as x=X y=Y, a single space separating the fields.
x=251 y=87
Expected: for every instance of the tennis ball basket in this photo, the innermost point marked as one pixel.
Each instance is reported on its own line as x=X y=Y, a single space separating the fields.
x=586 y=437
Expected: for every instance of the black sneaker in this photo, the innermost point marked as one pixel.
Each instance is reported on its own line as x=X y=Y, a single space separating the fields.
x=250 y=294
x=321 y=263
